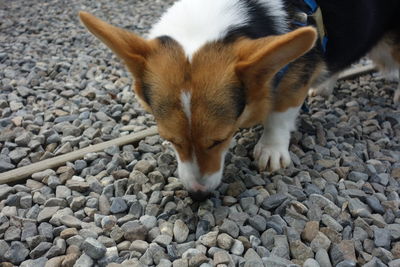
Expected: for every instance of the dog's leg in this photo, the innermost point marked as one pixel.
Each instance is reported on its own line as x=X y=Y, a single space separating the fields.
x=396 y=98
x=272 y=150
x=325 y=88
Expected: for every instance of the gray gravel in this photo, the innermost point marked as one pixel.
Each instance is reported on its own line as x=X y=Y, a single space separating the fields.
x=336 y=205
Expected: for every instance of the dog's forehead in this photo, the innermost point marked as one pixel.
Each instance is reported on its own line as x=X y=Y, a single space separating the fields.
x=203 y=86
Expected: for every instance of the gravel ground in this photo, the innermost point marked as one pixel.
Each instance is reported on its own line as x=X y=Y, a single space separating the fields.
x=337 y=205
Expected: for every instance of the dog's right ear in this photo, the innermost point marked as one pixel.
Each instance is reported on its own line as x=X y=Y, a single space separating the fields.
x=131 y=48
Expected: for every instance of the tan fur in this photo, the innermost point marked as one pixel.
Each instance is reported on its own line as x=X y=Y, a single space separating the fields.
x=258 y=68
x=289 y=98
x=396 y=52
x=209 y=77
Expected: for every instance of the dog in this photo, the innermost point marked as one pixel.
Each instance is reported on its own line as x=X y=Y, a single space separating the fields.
x=211 y=67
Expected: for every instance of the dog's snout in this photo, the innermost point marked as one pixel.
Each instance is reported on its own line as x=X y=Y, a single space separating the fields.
x=199 y=195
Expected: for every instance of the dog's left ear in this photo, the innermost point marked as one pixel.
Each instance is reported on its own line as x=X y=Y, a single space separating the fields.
x=264 y=57
x=259 y=60
x=132 y=49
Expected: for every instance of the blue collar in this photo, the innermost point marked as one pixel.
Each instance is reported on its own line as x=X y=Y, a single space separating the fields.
x=313 y=11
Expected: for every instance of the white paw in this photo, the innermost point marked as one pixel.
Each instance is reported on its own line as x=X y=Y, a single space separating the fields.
x=320 y=90
x=271 y=156
x=396 y=98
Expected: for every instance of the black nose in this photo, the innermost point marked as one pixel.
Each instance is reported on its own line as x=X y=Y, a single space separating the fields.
x=199 y=195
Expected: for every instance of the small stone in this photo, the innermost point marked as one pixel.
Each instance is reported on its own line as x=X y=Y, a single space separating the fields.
x=83 y=261
x=17 y=252
x=394 y=231
x=275 y=261
x=180 y=263
x=93 y=248
x=40 y=250
x=148 y=221
x=139 y=245
x=29 y=229
x=71 y=221
x=273 y=201
x=310 y=231
x=300 y=251
x=108 y=222
x=118 y=205
x=46 y=213
x=322 y=258
x=181 y=231
x=39 y=176
x=69 y=232
x=311 y=263
x=221 y=257
x=5 y=190
x=63 y=192
x=144 y=166
x=237 y=247
x=375 y=204
x=357 y=208
x=382 y=238
x=202 y=228
x=198 y=260
x=230 y=227
x=134 y=231
x=163 y=240
x=258 y=222
x=209 y=239
x=357 y=176
x=224 y=241
x=320 y=241
x=13 y=233
x=332 y=223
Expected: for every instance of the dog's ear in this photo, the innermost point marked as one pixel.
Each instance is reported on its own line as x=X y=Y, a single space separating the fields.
x=262 y=58
x=131 y=48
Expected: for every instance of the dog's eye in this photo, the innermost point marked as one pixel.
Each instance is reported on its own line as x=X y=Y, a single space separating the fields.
x=216 y=143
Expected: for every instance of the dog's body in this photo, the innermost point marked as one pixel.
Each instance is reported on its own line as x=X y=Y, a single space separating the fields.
x=213 y=66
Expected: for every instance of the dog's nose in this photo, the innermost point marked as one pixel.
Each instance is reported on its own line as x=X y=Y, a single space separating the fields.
x=199 y=195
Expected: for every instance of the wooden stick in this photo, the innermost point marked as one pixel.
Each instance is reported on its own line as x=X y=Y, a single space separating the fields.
x=357 y=71
x=23 y=172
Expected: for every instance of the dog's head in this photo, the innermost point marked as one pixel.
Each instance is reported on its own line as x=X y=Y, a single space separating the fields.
x=201 y=101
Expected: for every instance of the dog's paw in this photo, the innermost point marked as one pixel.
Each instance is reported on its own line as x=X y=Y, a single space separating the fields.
x=396 y=97
x=320 y=91
x=271 y=157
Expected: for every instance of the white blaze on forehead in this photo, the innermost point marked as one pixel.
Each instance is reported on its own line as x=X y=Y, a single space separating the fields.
x=186 y=104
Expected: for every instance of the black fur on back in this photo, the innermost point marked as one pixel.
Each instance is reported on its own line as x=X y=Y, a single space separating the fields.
x=260 y=23
x=355 y=26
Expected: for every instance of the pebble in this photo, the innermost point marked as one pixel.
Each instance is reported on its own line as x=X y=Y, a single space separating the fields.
x=93 y=248
x=118 y=205
x=181 y=231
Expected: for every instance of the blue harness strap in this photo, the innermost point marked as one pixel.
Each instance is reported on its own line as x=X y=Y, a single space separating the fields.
x=313 y=8
x=312 y=5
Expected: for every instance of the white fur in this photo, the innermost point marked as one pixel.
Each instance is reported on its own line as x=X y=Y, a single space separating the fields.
x=194 y=23
x=276 y=9
x=325 y=88
x=186 y=103
x=272 y=150
x=193 y=180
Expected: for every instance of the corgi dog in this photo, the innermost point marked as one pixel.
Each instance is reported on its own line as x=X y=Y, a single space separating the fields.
x=210 y=67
